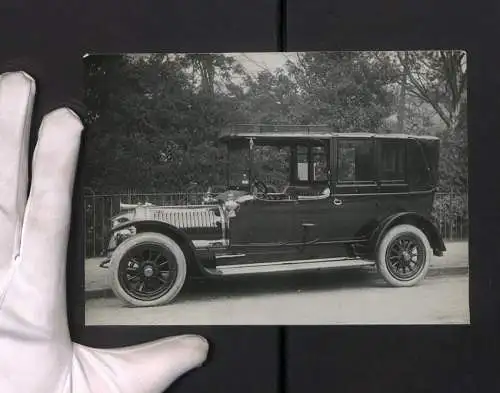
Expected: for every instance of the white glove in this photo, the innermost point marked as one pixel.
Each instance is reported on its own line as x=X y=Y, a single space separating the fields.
x=36 y=351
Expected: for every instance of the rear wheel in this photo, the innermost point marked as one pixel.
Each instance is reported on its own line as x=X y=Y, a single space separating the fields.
x=404 y=256
x=148 y=269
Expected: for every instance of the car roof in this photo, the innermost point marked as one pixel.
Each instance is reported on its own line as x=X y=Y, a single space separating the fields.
x=276 y=132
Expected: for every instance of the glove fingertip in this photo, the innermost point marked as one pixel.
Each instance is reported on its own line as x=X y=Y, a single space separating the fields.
x=197 y=348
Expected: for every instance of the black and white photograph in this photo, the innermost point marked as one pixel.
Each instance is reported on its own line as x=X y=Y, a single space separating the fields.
x=277 y=188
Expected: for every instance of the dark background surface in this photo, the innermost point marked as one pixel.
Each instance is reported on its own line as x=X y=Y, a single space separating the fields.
x=48 y=40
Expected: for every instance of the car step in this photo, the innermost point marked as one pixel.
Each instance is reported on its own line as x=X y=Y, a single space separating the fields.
x=291 y=266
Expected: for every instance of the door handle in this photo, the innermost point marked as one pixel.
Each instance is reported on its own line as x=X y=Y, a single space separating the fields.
x=337 y=202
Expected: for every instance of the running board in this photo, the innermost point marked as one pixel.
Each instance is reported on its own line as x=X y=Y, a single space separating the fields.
x=290 y=266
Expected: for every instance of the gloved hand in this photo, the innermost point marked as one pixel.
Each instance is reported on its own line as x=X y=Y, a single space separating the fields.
x=36 y=351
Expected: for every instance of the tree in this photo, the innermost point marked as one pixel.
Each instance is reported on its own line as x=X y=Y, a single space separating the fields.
x=345 y=90
x=439 y=79
x=154 y=119
x=208 y=71
x=270 y=98
x=108 y=78
x=155 y=128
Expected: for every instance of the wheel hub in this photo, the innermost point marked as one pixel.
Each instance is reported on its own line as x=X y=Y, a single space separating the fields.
x=148 y=271
x=406 y=256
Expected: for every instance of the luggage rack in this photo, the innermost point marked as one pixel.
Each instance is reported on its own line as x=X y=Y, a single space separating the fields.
x=274 y=130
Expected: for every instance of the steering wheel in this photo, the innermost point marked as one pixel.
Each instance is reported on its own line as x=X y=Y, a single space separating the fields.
x=261 y=186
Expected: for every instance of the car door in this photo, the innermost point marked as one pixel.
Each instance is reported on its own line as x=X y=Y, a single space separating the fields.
x=314 y=205
x=261 y=222
x=264 y=218
x=336 y=215
x=347 y=208
x=355 y=190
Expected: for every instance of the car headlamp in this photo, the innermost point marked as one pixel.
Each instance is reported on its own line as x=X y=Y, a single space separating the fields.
x=120 y=219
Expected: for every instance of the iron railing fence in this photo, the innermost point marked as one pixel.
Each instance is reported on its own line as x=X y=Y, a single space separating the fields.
x=99 y=209
x=450 y=214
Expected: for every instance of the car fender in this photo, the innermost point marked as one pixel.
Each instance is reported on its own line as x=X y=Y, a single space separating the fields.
x=421 y=222
x=194 y=266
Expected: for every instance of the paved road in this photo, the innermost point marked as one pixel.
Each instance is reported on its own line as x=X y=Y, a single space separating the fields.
x=341 y=297
x=96 y=278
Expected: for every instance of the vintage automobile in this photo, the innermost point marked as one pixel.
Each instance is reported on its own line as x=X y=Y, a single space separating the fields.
x=350 y=200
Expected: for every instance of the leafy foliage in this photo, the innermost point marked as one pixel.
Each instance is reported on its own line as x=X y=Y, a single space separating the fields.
x=154 y=120
x=435 y=82
x=346 y=91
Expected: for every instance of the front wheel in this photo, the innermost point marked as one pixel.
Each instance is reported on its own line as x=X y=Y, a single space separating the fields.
x=404 y=256
x=148 y=269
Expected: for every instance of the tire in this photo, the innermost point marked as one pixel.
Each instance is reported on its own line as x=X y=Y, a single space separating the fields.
x=396 y=259
x=152 y=260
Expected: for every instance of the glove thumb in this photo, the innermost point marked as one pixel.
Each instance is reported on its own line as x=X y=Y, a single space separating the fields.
x=144 y=368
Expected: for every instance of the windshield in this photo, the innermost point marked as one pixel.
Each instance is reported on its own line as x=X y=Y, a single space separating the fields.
x=237 y=169
x=269 y=164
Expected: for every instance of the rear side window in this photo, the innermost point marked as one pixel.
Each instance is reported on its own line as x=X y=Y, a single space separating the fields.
x=355 y=161
x=392 y=163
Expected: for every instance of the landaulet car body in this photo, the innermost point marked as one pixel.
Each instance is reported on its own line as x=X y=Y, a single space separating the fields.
x=350 y=200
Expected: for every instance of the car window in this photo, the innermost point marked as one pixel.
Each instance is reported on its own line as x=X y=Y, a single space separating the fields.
x=312 y=164
x=271 y=164
x=392 y=160
x=302 y=163
x=355 y=161
x=320 y=163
